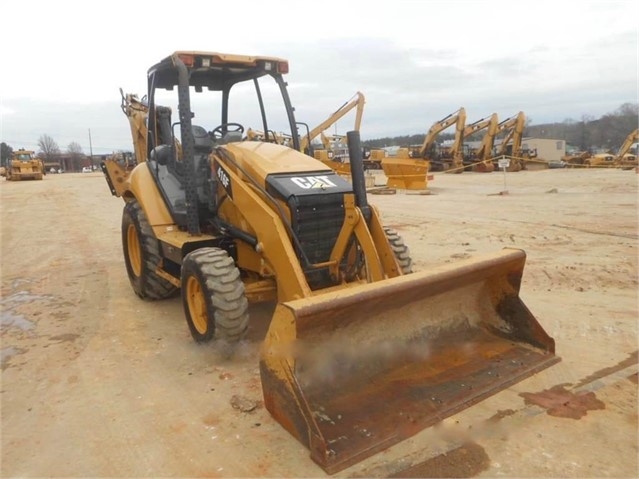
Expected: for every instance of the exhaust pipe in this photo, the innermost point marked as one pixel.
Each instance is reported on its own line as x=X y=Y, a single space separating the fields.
x=357 y=172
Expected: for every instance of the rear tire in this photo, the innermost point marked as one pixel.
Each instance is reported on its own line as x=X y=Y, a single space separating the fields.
x=401 y=251
x=142 y=255
x=213 y=297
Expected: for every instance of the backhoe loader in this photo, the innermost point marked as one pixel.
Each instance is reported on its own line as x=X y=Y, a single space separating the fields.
x=361 y=352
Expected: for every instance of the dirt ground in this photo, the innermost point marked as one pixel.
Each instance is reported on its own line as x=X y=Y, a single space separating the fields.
x=98 y=383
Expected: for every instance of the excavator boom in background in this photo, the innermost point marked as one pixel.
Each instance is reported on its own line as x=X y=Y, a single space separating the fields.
x=426 y=151
x=358 y=102
x=409 y=168
x=511 y=143
x=334 y=151
x=361 y=352
x=481 y=158
x=625 y=159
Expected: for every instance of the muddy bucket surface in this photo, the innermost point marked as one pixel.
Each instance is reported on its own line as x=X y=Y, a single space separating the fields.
x=352 y=372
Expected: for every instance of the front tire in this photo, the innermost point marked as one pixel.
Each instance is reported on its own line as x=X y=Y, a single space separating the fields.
x=400 y=250
x=142 y=255
x=213 y=296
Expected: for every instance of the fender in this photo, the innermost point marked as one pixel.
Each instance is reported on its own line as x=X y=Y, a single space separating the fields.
x=141 y=185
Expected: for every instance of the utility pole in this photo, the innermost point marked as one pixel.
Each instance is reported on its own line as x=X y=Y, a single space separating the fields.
x=90 y=148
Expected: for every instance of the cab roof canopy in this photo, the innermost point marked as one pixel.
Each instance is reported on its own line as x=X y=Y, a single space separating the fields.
x=215 y=71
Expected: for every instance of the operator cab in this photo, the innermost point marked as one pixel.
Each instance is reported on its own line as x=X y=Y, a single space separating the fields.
x=218 y=87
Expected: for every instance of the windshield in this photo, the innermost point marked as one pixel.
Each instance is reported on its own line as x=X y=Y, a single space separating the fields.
x=244 y=114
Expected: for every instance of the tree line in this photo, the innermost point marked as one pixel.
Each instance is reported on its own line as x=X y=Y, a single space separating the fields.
x=586 y=134
x=73 y=159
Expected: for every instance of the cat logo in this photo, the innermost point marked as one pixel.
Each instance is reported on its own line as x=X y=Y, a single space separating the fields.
x=313 y=182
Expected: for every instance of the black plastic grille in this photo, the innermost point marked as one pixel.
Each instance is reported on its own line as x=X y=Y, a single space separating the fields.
x=317 y=221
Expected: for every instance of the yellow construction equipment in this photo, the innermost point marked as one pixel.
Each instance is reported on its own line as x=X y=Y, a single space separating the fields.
x=600 y=160
x=446 y=158
x=511 y=144
x=24 y=166
x=358 y=101
x=454 y=159
x=576 y=159
x=626 y=159
x=334 y=151
x=481 y=158
x=360 y=352
x=409 y=168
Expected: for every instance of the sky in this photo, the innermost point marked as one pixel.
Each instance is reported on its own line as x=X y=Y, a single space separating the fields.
x=416 y=62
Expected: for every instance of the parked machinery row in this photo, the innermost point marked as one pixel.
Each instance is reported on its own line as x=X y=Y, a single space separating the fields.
x=625 y=158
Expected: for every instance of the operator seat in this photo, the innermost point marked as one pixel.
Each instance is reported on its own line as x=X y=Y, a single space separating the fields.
x=203 y=147
x=170 y=174
x=203 y=143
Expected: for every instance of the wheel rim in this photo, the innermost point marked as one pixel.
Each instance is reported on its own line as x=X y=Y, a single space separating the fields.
x=196 y=304
x=133 y=248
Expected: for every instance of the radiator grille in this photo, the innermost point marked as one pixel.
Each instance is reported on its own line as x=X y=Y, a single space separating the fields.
x=317 y=221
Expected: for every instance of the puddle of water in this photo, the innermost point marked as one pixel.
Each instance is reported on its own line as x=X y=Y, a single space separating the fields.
x=12 y=320
x=22 y=297
x=7 y=353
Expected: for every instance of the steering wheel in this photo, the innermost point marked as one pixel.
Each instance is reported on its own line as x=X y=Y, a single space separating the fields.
x=218 y=132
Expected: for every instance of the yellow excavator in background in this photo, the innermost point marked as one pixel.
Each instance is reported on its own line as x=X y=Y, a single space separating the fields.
x=358 y=101
x=335 y=154
x=24 y=166
x=361 y=352
x=576 y=158
x=626 y=159
x=409 y=168
x=334 y=151
x=481 y=157
x=511 y=143
x=454 y=159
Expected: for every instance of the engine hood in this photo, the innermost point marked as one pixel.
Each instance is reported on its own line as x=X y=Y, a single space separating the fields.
x=261 y=159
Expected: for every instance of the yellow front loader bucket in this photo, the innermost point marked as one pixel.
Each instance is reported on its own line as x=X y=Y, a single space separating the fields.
x=351 y=372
